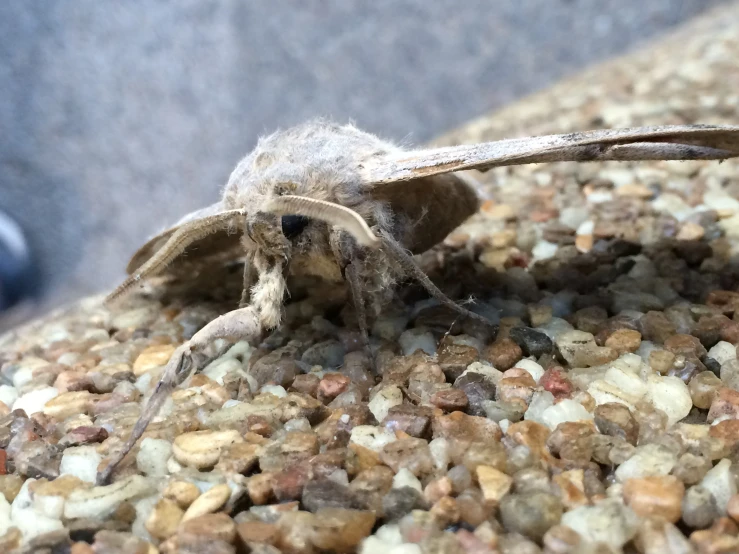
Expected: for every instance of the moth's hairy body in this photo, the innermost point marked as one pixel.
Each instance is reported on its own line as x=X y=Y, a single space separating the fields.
x=334 y=202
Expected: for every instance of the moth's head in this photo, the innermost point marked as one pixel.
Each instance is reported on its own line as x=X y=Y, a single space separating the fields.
x=287 y=221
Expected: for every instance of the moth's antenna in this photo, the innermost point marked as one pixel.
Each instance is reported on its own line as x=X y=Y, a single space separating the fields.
x=335 y=214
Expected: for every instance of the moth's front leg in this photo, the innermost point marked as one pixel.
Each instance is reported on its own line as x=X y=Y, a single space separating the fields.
x=189 y=357
x=351 y=263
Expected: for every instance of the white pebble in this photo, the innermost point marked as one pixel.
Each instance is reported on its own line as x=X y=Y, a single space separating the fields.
x=440 y=453
x=8 y=395
x=275 y=390
x=565 y=410
x=27 y=367
x=585 y=228
x=555 y=327
x=720 y=482
x=152 y=457
x=404 y=478
x=417 y=339
x=671 y=395
x=574 y=216
x=384 y=400
x=722 y=352
x=369 y=436
x=34 y=401
x=51 y=506
x=80 y=461
x=28 y=521
x=544 y=250
x=534 y=369
x=541 y=401
x=608 y=522
x=647 y=461
x=101 y=502
x=486 y=370
x=5 y=522
x=218 y=369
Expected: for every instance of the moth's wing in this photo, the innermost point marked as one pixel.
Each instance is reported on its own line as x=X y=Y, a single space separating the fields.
x=217 y=244
x=669 y=142
x=432 y=206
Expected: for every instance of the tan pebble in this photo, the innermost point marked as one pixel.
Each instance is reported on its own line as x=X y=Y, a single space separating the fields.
x=164 y=519
x=63 y=485
x=4 y=409
x=503 y=239
x=217 y=526
x=210 y=501
x=259 y=488
x=151 y=357
x=69 y=404
x=10 y=486
x=725 y=403
x=446 y=512
x=624 y=340
x=571 y=485
x=655 y=496
x=182 y=492
x=584 y=243
x=498 y=211
x=493 y=483
x=634 y=190
x=81 y=548
x=257 y=531
x=438 y=488
x=661 y=361
x=341 y=530
x=690 y=231
x=201 y=449
x=703 y=389
x=732 y=508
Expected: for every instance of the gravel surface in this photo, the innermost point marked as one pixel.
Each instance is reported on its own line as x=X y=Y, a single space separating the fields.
x=603 y=416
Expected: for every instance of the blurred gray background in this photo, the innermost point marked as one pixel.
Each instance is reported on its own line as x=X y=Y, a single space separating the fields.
x=118 y=117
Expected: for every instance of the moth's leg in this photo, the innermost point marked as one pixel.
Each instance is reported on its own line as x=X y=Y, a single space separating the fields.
x=248 y=282
x=241 y=324
x=353 y=271
x=351 y=265
x=176 y=245
x=409 y=265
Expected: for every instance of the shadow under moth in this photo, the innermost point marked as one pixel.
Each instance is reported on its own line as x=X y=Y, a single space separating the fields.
x=341 y=204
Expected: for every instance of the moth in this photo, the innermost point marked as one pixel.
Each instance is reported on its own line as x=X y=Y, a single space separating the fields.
x=335 y=202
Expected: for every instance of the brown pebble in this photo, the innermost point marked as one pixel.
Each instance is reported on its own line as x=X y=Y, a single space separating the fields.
x=450 y=400
x=331 y=386
x=306 y=383
x=624 y=340
x=615 y=419
x=503 y=354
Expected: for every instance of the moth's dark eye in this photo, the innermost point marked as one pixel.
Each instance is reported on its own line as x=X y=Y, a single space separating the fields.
x=293 y=225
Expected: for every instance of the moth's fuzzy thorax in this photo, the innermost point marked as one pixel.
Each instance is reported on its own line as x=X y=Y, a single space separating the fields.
x=318 y=159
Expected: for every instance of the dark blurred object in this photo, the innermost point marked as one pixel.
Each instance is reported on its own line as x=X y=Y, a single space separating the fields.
x=119 y=117
x=17 y=279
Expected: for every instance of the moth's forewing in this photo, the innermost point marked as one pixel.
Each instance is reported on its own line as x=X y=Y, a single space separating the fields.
x=670 y=142
x=212 y=244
